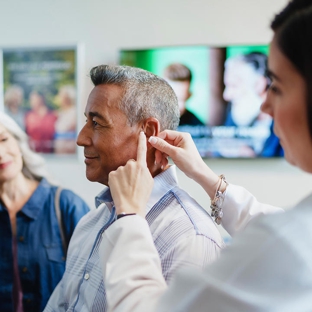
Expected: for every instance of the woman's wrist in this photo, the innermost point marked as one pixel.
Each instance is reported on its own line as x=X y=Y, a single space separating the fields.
x=217 y=200
x=207 y=179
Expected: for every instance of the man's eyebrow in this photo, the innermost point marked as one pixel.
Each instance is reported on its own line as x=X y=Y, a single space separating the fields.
x=95 y=114
x=271 y=75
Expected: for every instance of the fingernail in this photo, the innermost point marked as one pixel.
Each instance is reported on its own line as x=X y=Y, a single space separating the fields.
x=152 y=140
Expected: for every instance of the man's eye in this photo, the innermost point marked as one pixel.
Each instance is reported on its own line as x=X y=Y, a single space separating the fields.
x=94 y=123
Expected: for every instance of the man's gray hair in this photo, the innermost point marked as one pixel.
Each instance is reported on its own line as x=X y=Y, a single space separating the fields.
x=145 y=95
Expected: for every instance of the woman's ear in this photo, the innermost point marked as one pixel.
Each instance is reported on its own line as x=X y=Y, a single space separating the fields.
x=151 y=127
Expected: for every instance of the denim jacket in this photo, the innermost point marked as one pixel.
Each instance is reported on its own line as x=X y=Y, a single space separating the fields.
x=41 y=259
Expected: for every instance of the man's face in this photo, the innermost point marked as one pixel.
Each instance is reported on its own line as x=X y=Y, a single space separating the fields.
x=240 y=81
x=182 y=91
x=108 y=140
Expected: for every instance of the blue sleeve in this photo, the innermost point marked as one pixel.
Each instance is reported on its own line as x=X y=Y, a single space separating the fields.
x=73 y=208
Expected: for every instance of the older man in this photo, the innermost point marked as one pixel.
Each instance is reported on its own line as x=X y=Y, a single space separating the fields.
x=124 y=102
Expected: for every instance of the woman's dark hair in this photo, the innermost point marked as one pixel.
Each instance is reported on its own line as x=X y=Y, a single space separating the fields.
x=293 y=31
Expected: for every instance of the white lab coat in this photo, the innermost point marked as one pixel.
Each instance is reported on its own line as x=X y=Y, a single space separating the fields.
x=267 y=267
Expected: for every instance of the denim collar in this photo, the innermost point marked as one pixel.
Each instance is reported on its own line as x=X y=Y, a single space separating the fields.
x=34 y=205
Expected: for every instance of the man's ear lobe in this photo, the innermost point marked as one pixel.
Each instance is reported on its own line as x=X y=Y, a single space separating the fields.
x=151 y=127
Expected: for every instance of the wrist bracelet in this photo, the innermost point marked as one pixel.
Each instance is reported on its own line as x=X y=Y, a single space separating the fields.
x=124 y=214
x=216 y=202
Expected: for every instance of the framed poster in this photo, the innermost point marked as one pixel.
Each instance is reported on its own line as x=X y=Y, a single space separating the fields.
x=40 y=94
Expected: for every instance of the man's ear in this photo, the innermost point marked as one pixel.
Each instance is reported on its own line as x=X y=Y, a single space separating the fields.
x=151 y=127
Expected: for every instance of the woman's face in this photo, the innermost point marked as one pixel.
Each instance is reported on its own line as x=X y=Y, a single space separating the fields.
x=11 y=162
x=286 y=103
x=35 y=101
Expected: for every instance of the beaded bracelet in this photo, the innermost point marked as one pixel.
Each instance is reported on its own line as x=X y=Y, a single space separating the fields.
x=216 y=202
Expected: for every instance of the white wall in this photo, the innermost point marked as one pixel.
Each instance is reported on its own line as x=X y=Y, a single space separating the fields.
x=102 y=27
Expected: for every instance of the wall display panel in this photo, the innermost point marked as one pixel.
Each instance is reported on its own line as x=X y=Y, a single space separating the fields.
x=40 y=94
x=220 y=91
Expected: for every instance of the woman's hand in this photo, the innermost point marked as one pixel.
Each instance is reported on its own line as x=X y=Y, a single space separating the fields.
x=132 y=184
x=182 y=150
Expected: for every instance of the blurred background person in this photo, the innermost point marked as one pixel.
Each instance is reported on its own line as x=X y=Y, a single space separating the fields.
x=32 y=255
x=66 y=123
x=246 y=84
x=179 y=77
x=40 y=124
x=13 y=101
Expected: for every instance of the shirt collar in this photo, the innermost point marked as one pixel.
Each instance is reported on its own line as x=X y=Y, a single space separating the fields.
x=163 y=183
x=34 y=205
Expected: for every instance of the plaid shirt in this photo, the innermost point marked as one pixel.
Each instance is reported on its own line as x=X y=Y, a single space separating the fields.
x=183 y=232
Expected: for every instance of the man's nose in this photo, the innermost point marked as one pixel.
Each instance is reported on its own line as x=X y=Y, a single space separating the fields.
x=83 y=138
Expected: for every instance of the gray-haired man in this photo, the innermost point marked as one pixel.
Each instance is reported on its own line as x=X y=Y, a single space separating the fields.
x=124 y=102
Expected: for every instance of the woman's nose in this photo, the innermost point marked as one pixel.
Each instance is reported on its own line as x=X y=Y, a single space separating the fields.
x=266 y=107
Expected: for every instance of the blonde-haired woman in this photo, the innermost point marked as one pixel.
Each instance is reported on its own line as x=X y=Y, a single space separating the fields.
x=32 y=254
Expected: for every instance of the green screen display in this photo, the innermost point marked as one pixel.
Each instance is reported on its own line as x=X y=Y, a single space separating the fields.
x=227 y=87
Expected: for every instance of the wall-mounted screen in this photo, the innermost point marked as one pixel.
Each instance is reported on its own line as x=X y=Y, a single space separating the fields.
x=220 y=91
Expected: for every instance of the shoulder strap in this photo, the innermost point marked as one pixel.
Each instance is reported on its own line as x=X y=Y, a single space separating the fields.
x=59 y=218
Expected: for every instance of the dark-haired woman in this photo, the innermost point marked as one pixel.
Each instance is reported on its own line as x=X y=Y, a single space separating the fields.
x=268 y=265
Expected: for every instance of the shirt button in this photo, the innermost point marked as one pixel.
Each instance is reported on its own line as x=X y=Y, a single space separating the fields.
x=86 y=276
x=24 y=269
x=21 y=238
